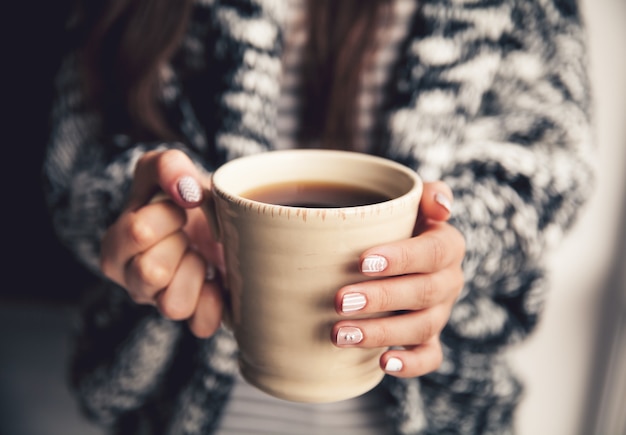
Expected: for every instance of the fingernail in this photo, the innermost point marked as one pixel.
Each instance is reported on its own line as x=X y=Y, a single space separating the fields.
x=349 y=335
x=443 y=201
x=352 y=302
x=393 y=365
x=374 y=263
x=189 y=189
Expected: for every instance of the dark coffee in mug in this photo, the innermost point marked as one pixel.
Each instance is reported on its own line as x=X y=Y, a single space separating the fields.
x=315 y=194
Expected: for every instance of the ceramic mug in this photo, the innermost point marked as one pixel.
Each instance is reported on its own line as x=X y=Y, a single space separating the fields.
x=285 y=263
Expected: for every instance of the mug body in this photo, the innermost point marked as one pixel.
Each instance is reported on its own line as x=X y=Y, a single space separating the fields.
x=285 y=265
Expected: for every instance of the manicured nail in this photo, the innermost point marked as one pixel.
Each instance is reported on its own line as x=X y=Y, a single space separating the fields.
x=443 y=201
x=189 y=189
x=352 y=302
x=393 y=365
x=349 y=335
x=374 y=263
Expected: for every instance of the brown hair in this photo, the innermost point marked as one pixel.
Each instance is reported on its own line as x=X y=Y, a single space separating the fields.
x=340 y=45
x=128 y=41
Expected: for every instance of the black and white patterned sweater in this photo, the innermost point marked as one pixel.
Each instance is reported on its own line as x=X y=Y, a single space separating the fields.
x=491 y=96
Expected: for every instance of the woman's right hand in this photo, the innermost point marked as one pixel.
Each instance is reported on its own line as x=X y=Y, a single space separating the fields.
x=160 y=251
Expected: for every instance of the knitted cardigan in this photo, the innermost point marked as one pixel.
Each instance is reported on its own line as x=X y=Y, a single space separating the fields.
x=490 y=96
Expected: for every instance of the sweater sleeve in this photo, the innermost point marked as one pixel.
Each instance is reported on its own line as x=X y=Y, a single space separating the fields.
x=502 y=115
x=124 y=353
x=87 y=178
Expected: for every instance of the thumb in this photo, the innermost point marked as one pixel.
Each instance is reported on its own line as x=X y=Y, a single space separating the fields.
x=171 y=173
x=436 y=202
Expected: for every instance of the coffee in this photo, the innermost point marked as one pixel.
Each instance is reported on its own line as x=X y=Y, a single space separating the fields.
x=315 y=194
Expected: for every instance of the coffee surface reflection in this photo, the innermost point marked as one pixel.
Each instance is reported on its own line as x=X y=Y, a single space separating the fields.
x=314 y=194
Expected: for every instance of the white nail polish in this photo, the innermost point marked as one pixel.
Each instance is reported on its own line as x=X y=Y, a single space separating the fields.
x=373 y=264
x=443 y=201
x=189 y=189
x=352 y=302
x=393 y=365
x=349 y=335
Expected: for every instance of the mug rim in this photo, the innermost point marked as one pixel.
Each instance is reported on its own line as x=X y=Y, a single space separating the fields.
x=218 y=189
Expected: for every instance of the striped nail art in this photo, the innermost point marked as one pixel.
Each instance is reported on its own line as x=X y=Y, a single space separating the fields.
x=374 y=263
x=189 y=189
x=353 y=302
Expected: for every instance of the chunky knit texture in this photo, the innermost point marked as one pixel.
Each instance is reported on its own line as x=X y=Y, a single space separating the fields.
x=491 y=96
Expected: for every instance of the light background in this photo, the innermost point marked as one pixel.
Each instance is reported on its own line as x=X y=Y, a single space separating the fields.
x=563 y=363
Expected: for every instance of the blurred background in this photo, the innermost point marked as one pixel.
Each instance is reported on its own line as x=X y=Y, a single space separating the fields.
x=574 y=365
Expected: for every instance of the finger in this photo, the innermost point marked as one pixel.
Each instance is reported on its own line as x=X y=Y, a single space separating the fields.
x=171 y=171
x=406 y=329
x=153 y=270
x=135 y=232
x=202 y=238
x=408 y=292
x=179 y=300
x=438 y=247
x=208 y=315
x=436 y=201
x=413 y=361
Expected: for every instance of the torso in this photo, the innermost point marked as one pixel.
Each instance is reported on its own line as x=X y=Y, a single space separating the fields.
x=250 y=411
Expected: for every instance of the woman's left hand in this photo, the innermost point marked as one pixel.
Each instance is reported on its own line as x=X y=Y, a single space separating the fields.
x=417 y=283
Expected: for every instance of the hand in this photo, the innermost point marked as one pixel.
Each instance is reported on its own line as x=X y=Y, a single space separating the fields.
x=159 y=251
x=418 y=282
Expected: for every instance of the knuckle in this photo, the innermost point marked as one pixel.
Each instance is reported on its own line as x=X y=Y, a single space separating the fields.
x=139 y=233
x=169 y=159
x=379 y=336
x=384 y=300
x=151 y=272
x=405 y=258
x=428 y=291
x=437 y=251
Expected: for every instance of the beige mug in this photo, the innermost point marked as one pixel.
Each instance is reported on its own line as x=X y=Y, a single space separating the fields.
x=285 y=263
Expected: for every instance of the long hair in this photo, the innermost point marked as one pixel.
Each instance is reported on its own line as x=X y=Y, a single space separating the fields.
x=340 y=45
x=127 y=42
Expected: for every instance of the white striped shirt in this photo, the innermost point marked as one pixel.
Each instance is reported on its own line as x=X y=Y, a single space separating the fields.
x=375 y=76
